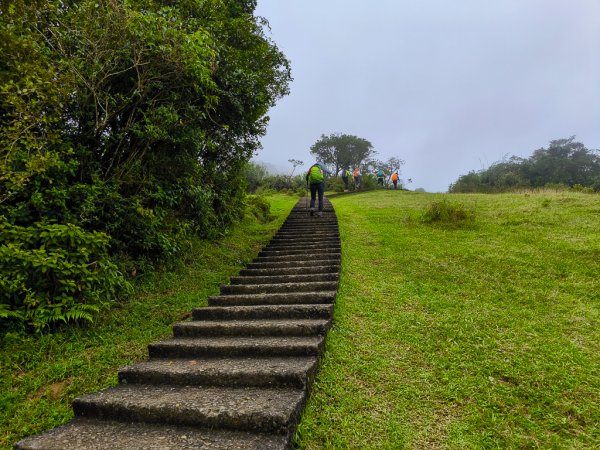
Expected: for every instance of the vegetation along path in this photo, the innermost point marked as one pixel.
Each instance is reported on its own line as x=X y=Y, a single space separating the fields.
x=236 y=375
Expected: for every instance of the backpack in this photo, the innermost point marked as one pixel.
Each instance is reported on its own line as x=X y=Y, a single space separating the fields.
x=315 y=174
x=395 y=177
x=380 y=173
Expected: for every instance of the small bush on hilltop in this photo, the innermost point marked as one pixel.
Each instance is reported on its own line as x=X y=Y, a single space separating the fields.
x=447 y=213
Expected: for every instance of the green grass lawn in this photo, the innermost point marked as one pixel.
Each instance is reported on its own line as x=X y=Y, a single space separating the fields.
x=40 y=376
x=482 y=335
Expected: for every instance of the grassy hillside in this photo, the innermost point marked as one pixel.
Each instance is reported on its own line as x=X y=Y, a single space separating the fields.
x=482 y=334
x=41 y=375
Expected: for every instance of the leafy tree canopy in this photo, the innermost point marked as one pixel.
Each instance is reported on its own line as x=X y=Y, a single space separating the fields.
x=565 y=162
x=342 y=150
x=131 y=118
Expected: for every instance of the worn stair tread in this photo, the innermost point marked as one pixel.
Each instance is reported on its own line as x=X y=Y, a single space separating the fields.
x=312 y=257
x=223 y=371
x=283 y=278
x=274 y=288
x=308 y=266
x=303 y=270
x=262 y=327
x=237 y=346
x=247 y=409
x=294 y=311
x=282 y=298
x=88 y=434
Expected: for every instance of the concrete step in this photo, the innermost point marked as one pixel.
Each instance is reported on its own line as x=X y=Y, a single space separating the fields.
x=302 y=240
x=263 y=327
x=315 y=311
x=286 y=298
x=302 y=257
x=322 y=250
x=283 y=278
x=237 y=346
x=245 y=409
x=294 y=372
x=306 y=265
x=281 y=271
x=274 y=288
x=91 y=434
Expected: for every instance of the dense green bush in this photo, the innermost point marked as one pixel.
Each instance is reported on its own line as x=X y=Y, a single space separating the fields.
x=55 y=273
x=448 y=213
x=133 y=119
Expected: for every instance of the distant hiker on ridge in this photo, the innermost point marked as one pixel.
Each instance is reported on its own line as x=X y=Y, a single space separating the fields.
x=395 y=179
x=345 y=174
x=356 y=178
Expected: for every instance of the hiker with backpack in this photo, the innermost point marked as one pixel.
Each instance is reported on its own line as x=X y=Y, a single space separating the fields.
x=380 y=175
x=315 y=180
x=345 y=173
x=395 y=178
x=356 y=175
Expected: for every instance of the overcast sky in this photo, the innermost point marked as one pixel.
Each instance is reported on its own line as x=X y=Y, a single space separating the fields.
x=447 y=86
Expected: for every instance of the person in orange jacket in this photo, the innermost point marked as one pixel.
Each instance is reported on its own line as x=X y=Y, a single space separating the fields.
x=395 y=178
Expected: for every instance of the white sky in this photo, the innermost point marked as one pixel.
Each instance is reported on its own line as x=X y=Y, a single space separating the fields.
x=447 y=86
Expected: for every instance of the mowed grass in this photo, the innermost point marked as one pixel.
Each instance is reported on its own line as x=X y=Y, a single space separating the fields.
x=482 y=335
x=40 y=376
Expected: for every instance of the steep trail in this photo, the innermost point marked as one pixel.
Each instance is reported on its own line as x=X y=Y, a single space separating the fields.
x=238 y=374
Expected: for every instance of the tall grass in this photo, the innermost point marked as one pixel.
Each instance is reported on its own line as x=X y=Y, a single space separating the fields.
x=486 y=336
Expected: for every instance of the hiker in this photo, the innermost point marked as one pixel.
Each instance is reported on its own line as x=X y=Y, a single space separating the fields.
x=380 y=177
x=356 y=175
x=395 y=178
x=315 y=178
x=345 y=173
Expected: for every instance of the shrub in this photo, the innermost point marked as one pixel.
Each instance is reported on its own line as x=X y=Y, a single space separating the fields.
x=52 y=273
x=259 y=207
x=447 y=213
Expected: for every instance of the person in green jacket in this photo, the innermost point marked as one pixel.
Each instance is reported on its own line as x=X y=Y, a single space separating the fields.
x=315 y=179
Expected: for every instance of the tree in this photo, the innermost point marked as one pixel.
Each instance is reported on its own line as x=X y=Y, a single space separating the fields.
x=390 y=166
x=565 y=161
x=342 y=150
x=134 y=119
x=295 y=163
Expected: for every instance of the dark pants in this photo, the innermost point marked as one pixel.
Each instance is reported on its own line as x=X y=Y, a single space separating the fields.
x=395 y=184
x=380 y=181
x=345 y=180
x=314 y=188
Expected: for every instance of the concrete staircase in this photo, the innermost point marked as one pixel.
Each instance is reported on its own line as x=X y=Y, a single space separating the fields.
x=237 y=375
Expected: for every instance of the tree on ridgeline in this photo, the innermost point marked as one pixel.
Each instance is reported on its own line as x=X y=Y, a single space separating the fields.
x=565 y=162
x=342 y=151
x=130 y=119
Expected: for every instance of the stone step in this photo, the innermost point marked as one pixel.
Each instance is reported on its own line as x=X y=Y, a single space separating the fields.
x=322 y=250
x=316 y=233
x=91 y=434
x=303 y=257
x=307 y=265
x=309 y=228
x=263 y=327
x=285 y=298
x=301 y=244
x=274 y=279
x=237 y=346
x=246 y=409
x=315 y=311
x=263 y=269
x=304 y=243
x=294 y=372
x=275 y=288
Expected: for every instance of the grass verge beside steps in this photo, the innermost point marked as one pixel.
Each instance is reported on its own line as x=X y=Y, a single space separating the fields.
x=462 y=335
x=41 y=375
